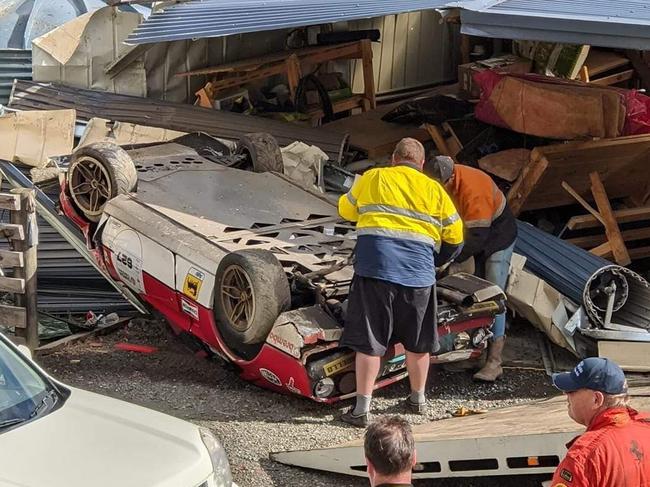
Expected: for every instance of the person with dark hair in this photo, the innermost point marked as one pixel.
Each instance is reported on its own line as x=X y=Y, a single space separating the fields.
x=390 y=452
x=406 y=225
x=490 y=234
x=615 y=449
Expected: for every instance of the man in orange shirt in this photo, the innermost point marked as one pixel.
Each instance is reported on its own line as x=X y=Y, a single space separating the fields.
x=615 y=449
x=490 y=233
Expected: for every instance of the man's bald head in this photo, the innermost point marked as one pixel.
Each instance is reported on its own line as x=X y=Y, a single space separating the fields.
x=409 y=150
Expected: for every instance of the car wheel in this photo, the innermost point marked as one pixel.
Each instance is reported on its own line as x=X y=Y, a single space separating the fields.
x=262 y=152
x=98 y=173
x=251 y=291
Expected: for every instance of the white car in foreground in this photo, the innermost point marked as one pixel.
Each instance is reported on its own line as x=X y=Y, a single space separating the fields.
x=57 y=436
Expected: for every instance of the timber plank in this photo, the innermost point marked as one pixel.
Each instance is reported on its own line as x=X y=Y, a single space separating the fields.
x=527 y=181
x=9 y=258
x=626 y=215
x=614 y=78
x=12 y=231
x=12 y=285
x=13 y=316
x=9 y=201
x=619 y=250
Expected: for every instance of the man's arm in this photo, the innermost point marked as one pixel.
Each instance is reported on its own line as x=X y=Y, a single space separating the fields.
x=451 y=233
x=571 y=473
x=348 y=207
x=475 y=240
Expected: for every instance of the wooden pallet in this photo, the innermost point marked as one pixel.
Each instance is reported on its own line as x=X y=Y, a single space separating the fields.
x=22 y=234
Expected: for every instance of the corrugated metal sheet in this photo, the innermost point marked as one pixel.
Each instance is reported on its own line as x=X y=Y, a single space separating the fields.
x=217 y=18
x=67 y=284
x=607 y=23
x=584 y=277
x=14 y=64
x=28 y=95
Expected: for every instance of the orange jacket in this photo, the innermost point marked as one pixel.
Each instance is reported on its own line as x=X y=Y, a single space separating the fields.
x=613 y=452
x=488 y=221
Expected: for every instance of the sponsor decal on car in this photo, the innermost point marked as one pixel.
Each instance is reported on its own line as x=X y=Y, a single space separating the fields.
x=190 y=309
x=271 y=377
x=193 y=281
x=339 y=365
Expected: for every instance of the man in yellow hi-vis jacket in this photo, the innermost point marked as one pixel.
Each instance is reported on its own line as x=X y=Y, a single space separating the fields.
x=406 y=225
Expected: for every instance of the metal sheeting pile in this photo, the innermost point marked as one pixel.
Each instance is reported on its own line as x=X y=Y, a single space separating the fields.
x=586 y=278
x=67 y=283
x=27 y=95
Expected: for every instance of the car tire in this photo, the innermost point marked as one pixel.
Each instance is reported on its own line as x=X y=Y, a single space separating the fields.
x=262 y=151
x=98 y=173
x=251 y=290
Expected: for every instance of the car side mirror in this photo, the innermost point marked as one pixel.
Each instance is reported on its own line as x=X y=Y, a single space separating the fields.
x=24 y=349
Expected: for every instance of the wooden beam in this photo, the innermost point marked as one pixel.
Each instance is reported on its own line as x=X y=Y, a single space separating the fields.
x=614 y=78
x=26 y=217
x=12 y=231
x=9 y=202
x=12 y=285
x=583 y=202
x=641 y=67
x=639 y=253
x=9 y=258
x=621 y=255
x=368 y=73
x=593 y=240
x=439 y=139
x=528 y=179
x=12 y=316
x=603 y=250
x=626 y=215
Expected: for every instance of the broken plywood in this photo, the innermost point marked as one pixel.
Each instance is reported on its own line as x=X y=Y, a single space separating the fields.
x=538 y=302
x=631 y=356
x=32 y=137
x=506 y=164
x=77 y=52
x=621 y=163
x=124 y=133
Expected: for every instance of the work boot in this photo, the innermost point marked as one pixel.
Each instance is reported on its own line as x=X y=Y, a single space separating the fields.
x=358 y=420
x=415 y=408
x=492 y=369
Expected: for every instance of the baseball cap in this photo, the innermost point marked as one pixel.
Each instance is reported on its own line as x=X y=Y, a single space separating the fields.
x=598 y=374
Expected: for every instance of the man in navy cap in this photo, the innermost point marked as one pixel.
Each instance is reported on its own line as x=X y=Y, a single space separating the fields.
x=615 y=449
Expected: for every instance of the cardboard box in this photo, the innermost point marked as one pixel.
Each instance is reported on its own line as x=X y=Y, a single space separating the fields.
x=508 y=63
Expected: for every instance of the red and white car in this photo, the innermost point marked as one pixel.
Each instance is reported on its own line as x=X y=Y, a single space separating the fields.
x=254 y=267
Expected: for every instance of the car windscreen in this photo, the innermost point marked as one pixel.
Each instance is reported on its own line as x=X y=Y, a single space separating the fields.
x=24 y=393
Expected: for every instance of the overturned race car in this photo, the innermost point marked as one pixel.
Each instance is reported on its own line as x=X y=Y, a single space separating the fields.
x=255 y=268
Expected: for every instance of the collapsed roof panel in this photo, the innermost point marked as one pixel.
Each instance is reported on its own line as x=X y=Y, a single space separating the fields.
x=217 y=18
x=606 y=23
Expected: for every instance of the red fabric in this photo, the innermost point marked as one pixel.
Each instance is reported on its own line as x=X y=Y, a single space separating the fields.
x=637 y=105
x=613 y=452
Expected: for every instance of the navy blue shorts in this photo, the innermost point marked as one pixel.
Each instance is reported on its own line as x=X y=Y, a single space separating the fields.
x=381 y=312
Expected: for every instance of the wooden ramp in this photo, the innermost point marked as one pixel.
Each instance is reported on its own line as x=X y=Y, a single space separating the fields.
x=525 y=439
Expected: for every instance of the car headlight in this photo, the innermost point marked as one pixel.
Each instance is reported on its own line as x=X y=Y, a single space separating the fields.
x=220 y=465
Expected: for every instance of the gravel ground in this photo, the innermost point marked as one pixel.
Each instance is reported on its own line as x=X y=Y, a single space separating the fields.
x=253 y=422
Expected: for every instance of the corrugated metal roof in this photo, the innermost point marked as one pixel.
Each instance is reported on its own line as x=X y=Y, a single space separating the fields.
x=14 y=64
x=216 y=18
x=607 y=23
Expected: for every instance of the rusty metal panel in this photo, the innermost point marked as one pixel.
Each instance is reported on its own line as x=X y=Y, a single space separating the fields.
x=28 y=95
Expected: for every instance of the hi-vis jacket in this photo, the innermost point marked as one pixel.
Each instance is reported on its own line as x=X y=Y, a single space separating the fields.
x=489 y=224
x=403 y=217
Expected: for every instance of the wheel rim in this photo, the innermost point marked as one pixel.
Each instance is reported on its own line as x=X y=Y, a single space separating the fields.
x=237 y=298
x=90 y=185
